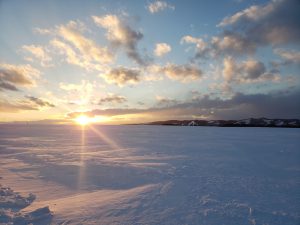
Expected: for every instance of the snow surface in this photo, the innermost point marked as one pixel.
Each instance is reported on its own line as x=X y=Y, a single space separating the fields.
x=149 y=175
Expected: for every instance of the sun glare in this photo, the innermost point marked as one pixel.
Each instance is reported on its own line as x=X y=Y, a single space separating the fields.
x=83 y=120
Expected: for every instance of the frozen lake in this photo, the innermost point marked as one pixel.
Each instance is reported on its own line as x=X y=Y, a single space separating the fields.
x=153 y=174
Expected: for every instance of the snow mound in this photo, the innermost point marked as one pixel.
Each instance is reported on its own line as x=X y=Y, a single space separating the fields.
x=12 y=202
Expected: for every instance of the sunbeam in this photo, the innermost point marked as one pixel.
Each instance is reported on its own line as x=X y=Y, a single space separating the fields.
x=81 y=173
x=105 y=138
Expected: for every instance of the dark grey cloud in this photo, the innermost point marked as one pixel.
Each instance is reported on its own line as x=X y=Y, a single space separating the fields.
x=184 y=73
x=112 y=99
x=275 y=23
x=121 y=34
x=179 y=72
x=273 y=105
x=164 y=102
x=39 y=102
x=7 y=86
x=246 y=71
x=10 y=77
x=140 y=103
x=276 y=105
x=254 y=69
x=14 y=76
x=29 y=103
x=122 y=76
x=232 y=43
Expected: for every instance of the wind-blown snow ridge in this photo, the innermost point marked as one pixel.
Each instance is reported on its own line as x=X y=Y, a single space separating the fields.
x=11 y=204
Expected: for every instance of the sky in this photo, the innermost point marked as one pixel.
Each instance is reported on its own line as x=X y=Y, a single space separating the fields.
x=140 y=61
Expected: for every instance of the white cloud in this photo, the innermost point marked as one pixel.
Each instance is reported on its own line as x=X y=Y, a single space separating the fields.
x=229 y=69
x=162 y=49
x=89 y=50
x=253 y=13
x=38 y=52
x=84 y=86
x=201 y=45
x=158 y=6
x=71 y=55
x=70 y=41
x=42 y=31
x=289 y=56
x=78 y=94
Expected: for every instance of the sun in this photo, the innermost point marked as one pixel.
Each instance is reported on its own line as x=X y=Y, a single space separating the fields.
x=83 y=120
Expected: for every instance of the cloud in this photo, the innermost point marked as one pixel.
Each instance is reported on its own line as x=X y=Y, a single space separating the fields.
x=273 y=105
x=233 y=43
x=122 y=76
x=42 y=31
x=69 y=40
x=29 y=103
x=87 y=47
x=13 y=107
x=165 y=101
x=246 y=71
x=252 y=105
x=253 y=69
x=78 y=94
x=289 y=56
x=14 y=76
x=112 y=99
x=39 y=53
x=223 y=89
x=252 y=13
x=121 y=35
x=229 y=68
x=140 y=103
x=153 y=73
x=7 y=86
x=162 y=49
x=201 y=45
x=83 y=86
x=39 y=102
x=274 y=23
x=105 y=112
x=183 y=73
x=71 y=56
x=239 y=106
x=158 y=6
